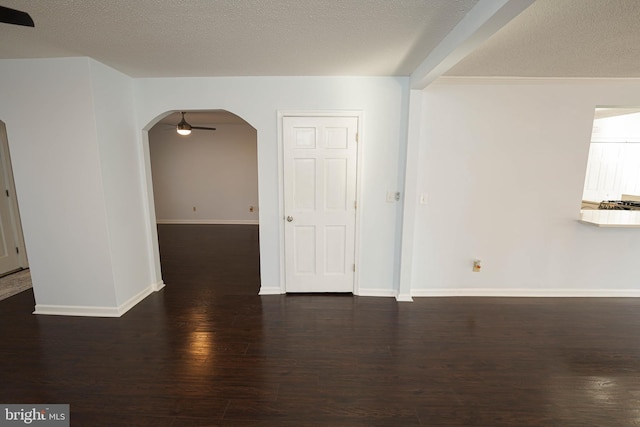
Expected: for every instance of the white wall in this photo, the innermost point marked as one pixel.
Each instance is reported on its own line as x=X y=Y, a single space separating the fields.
x=47 y=106
x=81 y=164
x=75 y=154
x=503 y=166
x=257 y=100
x=120 y=159
x=214 y=171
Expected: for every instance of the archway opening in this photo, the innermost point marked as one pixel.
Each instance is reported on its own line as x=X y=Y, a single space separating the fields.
x=205 y=188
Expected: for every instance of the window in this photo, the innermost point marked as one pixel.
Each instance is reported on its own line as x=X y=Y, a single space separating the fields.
x=613 y=169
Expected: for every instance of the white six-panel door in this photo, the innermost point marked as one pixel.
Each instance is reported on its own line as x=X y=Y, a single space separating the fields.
x=319 y=171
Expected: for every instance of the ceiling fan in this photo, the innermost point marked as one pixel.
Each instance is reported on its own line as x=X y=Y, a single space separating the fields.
x=185 y=128
x=16 y=17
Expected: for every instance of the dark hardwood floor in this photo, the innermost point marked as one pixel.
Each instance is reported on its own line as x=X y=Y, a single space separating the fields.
x=208 y=351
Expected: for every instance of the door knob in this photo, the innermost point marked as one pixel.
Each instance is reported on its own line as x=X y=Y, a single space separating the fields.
x=289 y=218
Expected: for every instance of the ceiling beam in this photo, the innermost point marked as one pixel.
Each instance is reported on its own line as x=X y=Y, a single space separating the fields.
x=485 y=19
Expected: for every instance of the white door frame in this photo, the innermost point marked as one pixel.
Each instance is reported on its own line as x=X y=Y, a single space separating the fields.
x=359 y=167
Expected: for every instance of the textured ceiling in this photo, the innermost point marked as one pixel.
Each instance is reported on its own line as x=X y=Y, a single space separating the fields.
x=169 y=38
x=562 y=38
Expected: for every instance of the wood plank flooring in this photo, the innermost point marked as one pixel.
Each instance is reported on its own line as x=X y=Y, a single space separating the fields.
x=208 y=351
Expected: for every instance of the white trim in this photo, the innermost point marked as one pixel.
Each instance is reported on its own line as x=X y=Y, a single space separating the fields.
x=209 y=221
x=87 y=311
x=488 y=80
x=280 y=143
x=527 y=292
x=359 y=190
x=410 y=200
x=148 y=204
x=158 y=286
x=128 y=304
x=270 y=290
x=404 y=298
x=66 y=310
x=370 y=292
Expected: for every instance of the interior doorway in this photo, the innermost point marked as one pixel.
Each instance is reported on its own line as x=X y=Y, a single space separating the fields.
x=319 y=167
x=319 y=170
x=205 y=184
x=13 y=255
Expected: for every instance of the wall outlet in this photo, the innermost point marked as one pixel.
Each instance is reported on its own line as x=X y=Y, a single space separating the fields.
x=251 y=208
x=194 y=208
x=477 y=266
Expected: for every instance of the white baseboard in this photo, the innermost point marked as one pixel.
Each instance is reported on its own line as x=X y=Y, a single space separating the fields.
x=131 y=302
x=485 y=292
x=209 y=221
x=76 y=310
x=88 y=311
x=404 y=298
x=369 y=292
x=525 y=292
x=270 y=290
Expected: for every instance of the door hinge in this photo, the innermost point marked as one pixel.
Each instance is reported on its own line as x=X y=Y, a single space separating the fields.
x=7 y=192
x=354 y=268
x=17 y=250
x=355 y=204
x=357 y=137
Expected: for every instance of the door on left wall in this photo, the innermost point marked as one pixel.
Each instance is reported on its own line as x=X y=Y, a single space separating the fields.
x=10 y=257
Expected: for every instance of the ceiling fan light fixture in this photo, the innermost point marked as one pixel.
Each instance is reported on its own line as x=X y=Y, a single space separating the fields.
x=183 y=127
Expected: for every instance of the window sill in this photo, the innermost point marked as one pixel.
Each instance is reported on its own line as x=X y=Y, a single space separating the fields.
x=610 y=218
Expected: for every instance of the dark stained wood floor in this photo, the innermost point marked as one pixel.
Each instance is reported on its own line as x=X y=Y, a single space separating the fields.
x=208 y=351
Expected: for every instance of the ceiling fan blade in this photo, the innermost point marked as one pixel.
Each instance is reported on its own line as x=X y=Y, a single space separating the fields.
x=16 y=17
x=202 y=128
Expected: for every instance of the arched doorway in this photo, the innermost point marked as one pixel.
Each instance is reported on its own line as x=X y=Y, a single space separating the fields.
x=205 y=195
